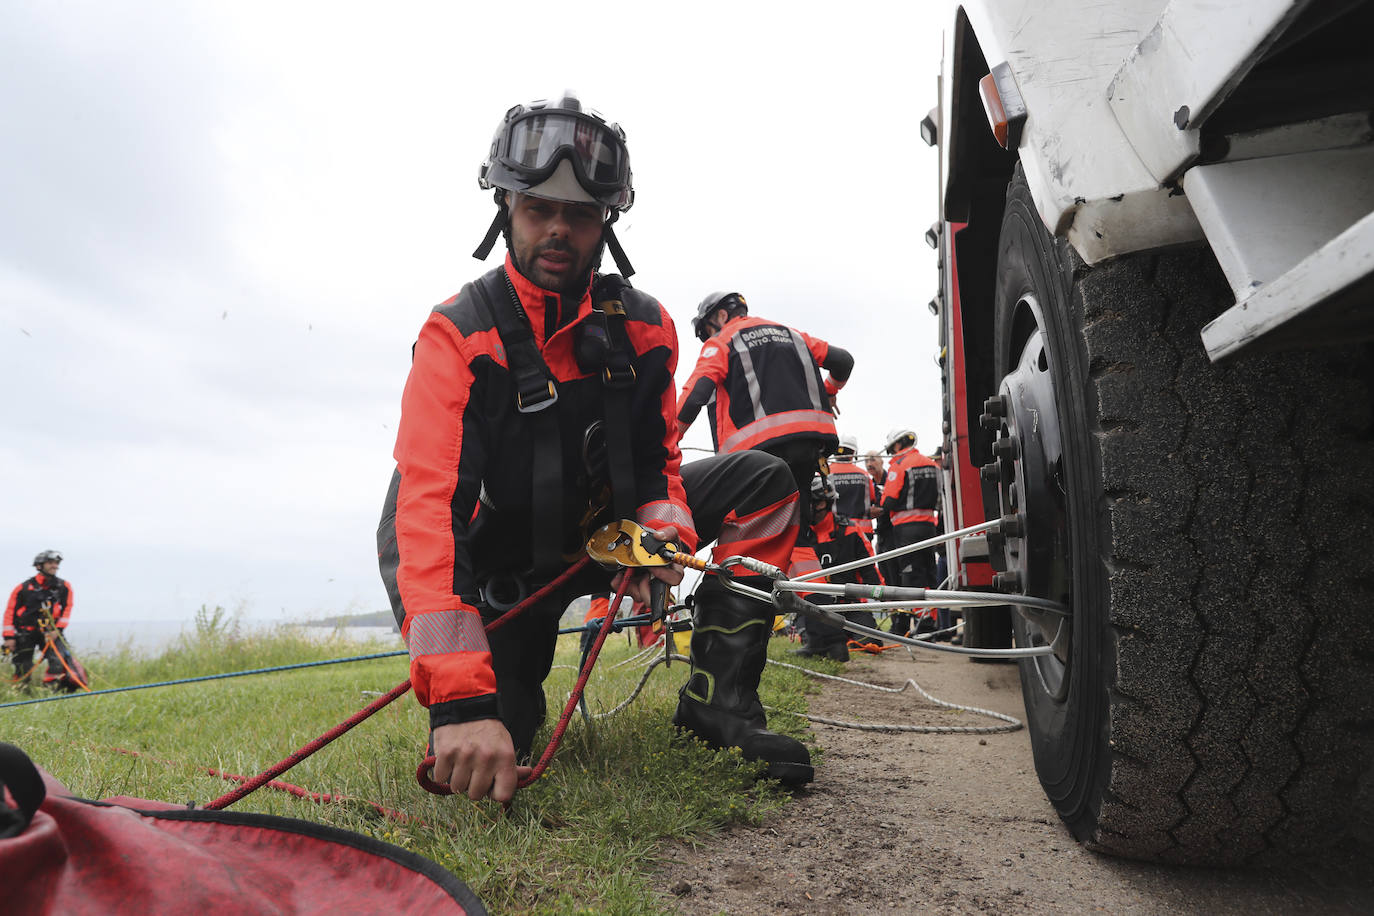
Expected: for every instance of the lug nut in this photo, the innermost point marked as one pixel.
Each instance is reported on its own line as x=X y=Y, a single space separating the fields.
x=1008 y=447
x=989 y=472
x=997 y=406
x=1014 y=525
x=989 y=422
x=1007 y=582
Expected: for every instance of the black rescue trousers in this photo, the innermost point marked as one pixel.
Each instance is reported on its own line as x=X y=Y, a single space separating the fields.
x=803 y=460
x=523 y=649
x=25 y=642
x=914 y=570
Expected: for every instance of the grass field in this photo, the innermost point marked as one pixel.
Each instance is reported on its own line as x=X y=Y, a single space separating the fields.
x=583 y=839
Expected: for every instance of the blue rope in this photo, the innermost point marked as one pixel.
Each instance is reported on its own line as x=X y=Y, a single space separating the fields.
x=207 y=677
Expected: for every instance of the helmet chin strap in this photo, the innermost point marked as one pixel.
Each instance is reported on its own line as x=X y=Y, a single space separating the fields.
x=498 y=225
x=622 y=263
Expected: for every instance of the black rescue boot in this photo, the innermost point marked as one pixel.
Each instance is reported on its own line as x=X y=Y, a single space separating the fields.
x=720 y=701
x=837 y=651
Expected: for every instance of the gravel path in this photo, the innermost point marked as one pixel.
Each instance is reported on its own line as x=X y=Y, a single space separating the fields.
x=906 y=823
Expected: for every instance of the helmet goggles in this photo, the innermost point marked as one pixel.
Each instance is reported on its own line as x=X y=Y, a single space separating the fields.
x=536 y=140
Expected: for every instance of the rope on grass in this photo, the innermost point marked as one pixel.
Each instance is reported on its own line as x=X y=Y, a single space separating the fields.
x=296 y=757
x=319 y=798
x=208 y=677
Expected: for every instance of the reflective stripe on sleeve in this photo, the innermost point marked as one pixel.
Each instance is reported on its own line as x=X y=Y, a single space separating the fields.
x=446 y=632
x=663 y=513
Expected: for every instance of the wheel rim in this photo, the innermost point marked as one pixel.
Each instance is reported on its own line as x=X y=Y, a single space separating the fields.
x=1033 y=495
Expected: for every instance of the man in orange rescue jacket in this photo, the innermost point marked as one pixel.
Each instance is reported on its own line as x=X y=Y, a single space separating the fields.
x=540 y=404
x=910 y=496
x=765 y=380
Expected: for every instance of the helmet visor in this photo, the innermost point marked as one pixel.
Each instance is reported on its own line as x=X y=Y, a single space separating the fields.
x=536 y=142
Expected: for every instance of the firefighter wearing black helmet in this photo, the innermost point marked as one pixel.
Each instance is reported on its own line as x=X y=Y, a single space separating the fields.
x=36 y=617
x=766 y=383
x=540 y=404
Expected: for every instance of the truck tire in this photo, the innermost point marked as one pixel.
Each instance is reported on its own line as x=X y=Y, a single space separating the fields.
x=1211 y=696
x=987 y=628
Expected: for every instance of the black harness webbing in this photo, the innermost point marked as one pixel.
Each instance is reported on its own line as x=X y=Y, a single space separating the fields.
x=618 y=381
x=535 y=393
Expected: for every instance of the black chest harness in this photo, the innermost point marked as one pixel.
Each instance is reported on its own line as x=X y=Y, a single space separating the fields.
x=602 y=345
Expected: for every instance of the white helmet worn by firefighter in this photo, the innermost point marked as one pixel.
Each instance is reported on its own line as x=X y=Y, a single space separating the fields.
x=559 y=150
x=897 y=440
x=733 y=303
x=849 y=447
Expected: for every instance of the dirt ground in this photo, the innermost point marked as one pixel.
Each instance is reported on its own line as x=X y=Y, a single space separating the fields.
x=907 y=823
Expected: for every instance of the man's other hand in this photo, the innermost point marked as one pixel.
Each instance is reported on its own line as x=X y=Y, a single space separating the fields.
x=639 y=578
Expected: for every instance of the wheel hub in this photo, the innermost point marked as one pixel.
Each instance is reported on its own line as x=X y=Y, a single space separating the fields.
x=1028 y=470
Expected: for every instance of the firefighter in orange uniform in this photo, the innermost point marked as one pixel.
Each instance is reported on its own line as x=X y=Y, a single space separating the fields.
x=41 y=601
x=856 y=494
x=540 y=404
x=838 y=541
x=910 y=497
x=765 y=380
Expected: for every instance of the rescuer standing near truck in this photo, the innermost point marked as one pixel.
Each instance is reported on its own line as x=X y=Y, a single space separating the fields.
x=539 y=388
x=838 y=541
x=910 y=497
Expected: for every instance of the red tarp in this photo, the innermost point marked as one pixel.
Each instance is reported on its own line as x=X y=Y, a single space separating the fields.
x=130 y=855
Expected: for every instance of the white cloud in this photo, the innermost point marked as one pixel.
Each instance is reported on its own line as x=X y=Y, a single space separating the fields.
x=225 y=222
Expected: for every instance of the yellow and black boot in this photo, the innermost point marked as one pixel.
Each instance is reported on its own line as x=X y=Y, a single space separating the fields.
x=720 y=701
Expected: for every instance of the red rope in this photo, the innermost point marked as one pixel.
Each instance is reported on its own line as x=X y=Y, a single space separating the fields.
x=273 y=772
x=399 y=690
x=317 y=797
x=70 y=673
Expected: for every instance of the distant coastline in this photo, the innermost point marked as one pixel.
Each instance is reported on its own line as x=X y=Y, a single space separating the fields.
x=374 y=619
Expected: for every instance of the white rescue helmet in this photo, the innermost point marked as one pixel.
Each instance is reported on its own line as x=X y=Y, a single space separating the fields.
x=896 y=439
x=849 y=447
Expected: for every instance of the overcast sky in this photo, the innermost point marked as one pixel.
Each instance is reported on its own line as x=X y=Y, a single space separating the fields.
x=223 y=223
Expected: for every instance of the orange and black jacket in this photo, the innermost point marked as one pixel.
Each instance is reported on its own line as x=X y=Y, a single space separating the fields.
x=855 y=493
x=460 y=500
x=766 y=382
x=912 y=490
x=24 y=610
x=838 y=541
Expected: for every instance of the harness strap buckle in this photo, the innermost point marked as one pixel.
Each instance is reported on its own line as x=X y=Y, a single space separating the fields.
x=619 y=377
x=535 y=400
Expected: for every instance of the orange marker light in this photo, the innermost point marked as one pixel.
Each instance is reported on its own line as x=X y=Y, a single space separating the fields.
x=992 y=104
x=1004 y=105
